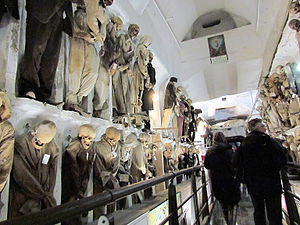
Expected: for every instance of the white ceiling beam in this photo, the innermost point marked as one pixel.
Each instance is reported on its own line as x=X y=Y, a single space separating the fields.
x=168 y=25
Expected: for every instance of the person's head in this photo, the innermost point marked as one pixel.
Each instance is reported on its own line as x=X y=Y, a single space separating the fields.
x=219 y=138
x=294 y=24
x=133 y=31
x=87 y=135
x=256 y=125
x=294 y=8
x=144 y=139
x=107 y=2
x=118 y=23
x=43 y=133
x=112 y=136
x=173 y=79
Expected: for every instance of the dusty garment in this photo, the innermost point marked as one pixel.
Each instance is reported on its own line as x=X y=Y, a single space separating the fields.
x=38 y=68
x=101 y=93
x=294 y=112
x=7 y=140
x=138 y=165
x=192 y=125
x=169 y=165
x=282 y=109
x=180 y=118
x=106 y=166
x=33 y=177
x=83 y=59
x=167 y=118
x=140 y=71
x=170 y=96
x=76 y=168
x=274 y=117
x=149 y=92
x=121 y=80
x=83 y=70
x=10 y=6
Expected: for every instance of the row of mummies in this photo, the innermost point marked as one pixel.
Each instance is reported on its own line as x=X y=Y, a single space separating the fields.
x=178 y=111
x=279 y=94
x=88 y=68
x=32 y=159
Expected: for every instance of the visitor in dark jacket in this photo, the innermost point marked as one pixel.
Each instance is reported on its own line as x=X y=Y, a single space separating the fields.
x=261 y=159
x=218 y=160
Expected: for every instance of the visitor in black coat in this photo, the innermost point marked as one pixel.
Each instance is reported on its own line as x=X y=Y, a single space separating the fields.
x=218 y=160
x=261 y=158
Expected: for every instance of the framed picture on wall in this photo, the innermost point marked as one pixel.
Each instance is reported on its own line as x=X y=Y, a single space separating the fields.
x=217 y=49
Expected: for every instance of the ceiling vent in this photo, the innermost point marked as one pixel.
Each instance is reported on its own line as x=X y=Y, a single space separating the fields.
x=215 y=22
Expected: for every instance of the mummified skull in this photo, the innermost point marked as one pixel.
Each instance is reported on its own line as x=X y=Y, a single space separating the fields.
x=144 y=139
x=168 y=150
x=179 y=89
x=43 y=133
x=280 y=69
x=117 y=21
x=112 y=136
x=5 y=107
x=108 y=2
x=87 y=135
x=150 y=56
x=295 y=8
x=133 y=30
x=182 y=97
x=189 y=101
x=294 y=24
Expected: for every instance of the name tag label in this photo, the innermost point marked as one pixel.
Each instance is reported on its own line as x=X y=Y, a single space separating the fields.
x=46 y=158
x=124 y=177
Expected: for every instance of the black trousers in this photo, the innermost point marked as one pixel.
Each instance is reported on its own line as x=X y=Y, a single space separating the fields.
x=273 y=206
x=41 y=56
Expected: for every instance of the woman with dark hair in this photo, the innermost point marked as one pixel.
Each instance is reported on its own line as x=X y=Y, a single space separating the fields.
x=218 y=160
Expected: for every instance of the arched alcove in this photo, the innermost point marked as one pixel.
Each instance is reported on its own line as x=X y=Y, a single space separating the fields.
x=214 y=22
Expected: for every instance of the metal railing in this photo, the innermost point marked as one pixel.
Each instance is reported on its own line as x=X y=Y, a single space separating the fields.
x=66 y=211
x=201 y=215
x=292 y=214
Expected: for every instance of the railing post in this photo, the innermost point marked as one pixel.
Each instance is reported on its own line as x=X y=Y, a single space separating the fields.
x=194 y=189
x=173 y=204
x=290 y=201
x=205 y=211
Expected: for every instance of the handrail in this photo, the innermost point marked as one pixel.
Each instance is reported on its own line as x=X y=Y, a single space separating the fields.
x=62 y=212
x=173 y=208
x=293 y=165
x=292 y=211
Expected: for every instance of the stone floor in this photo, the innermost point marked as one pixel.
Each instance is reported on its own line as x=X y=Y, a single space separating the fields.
x=243 y=212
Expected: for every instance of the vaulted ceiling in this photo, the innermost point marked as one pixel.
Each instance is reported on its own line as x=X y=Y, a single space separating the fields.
x=250 y=45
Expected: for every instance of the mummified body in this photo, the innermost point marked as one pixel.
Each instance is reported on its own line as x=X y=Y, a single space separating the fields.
x=84 y=58
x=34 y=171
x=43 y=41
x=106 y=164
x=7 y=140
x=77 y=165
x=138 y=167
x=169 y=102
x=122 y=79
x=109 y=55
x=140 y=71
